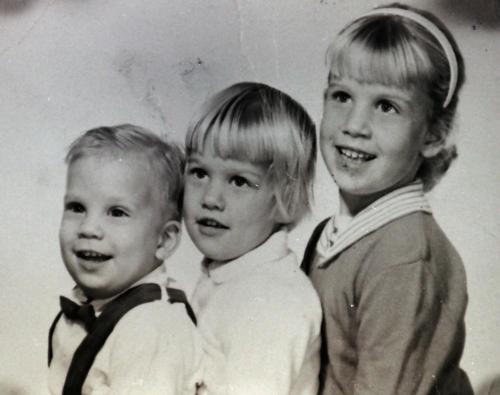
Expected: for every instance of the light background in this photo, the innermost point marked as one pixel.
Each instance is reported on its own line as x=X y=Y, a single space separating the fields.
x=66 y=66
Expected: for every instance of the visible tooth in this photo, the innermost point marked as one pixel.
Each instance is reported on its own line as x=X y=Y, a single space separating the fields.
x=91 y=255
x=211 y=222
x=354 y=154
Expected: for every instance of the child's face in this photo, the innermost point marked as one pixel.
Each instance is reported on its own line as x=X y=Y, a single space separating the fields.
x=229 y=205
x=372 y=136
x=112 y=223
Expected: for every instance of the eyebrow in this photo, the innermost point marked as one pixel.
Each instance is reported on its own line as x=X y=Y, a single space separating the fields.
x=69 y=197
x=400 y=94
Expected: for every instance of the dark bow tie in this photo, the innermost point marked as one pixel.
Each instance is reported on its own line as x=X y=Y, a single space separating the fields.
x=82 y=313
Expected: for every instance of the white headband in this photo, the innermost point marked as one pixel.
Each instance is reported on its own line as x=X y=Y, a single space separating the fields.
x=438 y=34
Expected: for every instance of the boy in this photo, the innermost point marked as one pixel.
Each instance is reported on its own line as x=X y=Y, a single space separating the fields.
x=392 y=286
x=251 y=155
x=125 y=334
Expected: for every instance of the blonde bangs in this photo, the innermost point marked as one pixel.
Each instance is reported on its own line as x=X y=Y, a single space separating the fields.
x=397 y=63
x=230 y=140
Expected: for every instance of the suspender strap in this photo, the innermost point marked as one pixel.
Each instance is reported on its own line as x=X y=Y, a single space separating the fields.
x=178 y=296
x=87 y=350
x=51 y=333
x=311 y=247
x=306 y=264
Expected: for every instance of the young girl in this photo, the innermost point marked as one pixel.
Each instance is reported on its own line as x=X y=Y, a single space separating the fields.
x=392 y=286
x=250 y=164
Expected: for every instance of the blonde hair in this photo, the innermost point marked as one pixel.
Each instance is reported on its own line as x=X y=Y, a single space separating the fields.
x=394 y=50
x=165 y=159
x=257 y=123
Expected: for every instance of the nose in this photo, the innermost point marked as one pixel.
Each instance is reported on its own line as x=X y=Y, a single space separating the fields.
x=90 y=228
x=213 y=196
x=357 y=121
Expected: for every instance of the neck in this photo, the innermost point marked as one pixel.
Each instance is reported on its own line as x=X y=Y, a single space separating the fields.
x=351 y=205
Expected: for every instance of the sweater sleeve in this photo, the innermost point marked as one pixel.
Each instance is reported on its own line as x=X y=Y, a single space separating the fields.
x=398 y=311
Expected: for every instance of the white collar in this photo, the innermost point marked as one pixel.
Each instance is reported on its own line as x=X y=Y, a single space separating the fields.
x=258 y=259
x=396 y=204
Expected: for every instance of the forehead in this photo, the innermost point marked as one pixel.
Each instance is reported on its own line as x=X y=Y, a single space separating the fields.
x=110 y=176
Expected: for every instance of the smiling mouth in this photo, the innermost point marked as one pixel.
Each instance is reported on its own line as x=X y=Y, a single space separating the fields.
x=211 y=223
x=92 y=256
x=355 y=155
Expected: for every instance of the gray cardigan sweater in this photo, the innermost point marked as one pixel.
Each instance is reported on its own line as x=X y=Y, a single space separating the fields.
x=394 y=305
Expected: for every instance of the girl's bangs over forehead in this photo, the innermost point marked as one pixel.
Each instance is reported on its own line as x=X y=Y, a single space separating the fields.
x=378 y=54
x=233 y=138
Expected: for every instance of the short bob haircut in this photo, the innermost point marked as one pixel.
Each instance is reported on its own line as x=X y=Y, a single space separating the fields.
x=165 y=159
x=259 y=124
x=394 y=50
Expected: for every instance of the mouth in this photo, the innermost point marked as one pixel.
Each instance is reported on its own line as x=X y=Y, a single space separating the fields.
x=92 y=256
x=355 y=155
x=211 y=223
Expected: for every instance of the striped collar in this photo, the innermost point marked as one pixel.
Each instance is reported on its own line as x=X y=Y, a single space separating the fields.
x=396 y=204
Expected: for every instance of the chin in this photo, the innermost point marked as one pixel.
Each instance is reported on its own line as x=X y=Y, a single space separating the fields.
x=98 y=291
x=219 y=257
x=94 y=293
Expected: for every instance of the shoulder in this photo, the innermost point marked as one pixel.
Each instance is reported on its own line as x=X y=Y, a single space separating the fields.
x=159 y=320
x=416 y=246
x=154 y=334
x=417 y=236
x=282 y=292
x=412 y=238
x=156 y=340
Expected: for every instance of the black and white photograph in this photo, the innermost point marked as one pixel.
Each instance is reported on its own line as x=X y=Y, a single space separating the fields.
x=249 y=197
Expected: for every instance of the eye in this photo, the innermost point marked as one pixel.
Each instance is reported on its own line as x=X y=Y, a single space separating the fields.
x=118 y=212
x=387 y=107
x=239 y=181
x=197 y=172
x=340 y=96
x=74 y=207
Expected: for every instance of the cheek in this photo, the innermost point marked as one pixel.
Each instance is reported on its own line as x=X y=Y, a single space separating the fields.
x=188 y=207
x=188 y=202
x=261 y=214
x=323 y=136
x=65 y=232
x=328 y=135
x=408 y=149
x=327 y=152
x=332 y=117
x=325 y=127
x=325 y=141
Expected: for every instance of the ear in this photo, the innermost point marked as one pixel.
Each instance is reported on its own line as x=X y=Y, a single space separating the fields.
x=433 y=144
x=168 y=239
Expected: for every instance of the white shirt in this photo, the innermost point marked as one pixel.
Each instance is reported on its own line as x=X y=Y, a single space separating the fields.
x=154 y=349
x=259 y=318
